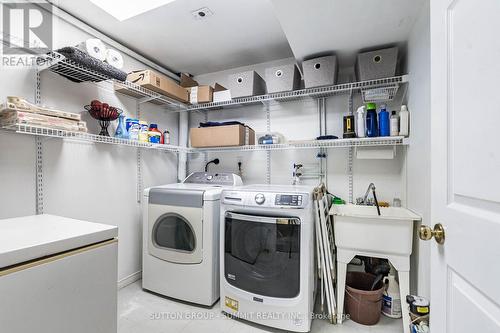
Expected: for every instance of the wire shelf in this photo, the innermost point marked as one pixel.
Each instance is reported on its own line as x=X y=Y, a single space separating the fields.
x=87 y=137
x=378 y=90
x=292 y=145
x=373 y=91
x=57 y=63
x=311 y=144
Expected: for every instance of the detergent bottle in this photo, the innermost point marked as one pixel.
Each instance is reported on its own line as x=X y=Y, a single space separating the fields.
x=371 y=120
x=391 y=300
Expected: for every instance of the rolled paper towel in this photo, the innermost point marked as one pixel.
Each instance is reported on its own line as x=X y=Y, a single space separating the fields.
x=94 y=47
x=114 y=58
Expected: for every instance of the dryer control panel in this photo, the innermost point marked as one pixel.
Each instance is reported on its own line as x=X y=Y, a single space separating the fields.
x=223 y=179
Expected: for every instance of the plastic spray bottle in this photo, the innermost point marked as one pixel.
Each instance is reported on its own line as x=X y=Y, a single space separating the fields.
x=361 y=122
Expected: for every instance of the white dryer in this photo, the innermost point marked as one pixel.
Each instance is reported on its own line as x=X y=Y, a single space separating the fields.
x=181 y=237
x=267 y=255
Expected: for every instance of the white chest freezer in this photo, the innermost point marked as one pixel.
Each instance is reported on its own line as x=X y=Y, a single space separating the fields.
x=57 y=275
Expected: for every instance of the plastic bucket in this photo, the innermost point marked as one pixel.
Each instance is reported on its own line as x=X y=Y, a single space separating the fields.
x=362 y=304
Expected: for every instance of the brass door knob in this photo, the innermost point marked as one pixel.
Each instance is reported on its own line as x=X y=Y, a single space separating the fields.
x=426 y=233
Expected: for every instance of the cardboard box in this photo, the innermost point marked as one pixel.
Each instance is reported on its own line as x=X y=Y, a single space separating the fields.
x=222 y=136
x=221 y=94
x=197 y=93
x=158 y=83
x=200 y=94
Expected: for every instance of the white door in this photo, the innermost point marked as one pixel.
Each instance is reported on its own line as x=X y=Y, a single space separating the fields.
x=465 y=120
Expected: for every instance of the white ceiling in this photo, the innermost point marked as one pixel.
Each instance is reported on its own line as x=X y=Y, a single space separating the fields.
x=246 y=32
x=345 y=26
x=240 y=32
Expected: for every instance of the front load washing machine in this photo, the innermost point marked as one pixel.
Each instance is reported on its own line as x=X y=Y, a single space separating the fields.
x=267 y=255
x=181 y=237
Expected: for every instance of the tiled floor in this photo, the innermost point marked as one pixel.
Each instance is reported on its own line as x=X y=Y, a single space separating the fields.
x=143 y=312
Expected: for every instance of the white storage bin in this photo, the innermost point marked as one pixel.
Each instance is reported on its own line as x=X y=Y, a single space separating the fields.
x=246 y=84
x=282 y=78
x=320 y=71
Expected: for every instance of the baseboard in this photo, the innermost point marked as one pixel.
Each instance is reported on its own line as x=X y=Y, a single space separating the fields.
x=129 y=279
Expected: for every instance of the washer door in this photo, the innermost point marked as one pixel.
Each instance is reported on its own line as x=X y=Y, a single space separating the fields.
x=262 y=254
x=176 y=233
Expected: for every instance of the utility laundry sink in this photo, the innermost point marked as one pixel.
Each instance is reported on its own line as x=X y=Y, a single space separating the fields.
x=361 y=229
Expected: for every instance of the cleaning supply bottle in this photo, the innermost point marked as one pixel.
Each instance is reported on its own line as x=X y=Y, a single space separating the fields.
x=371 y=120
x=154 y=134
x=394 y=124
x=349 y=127
x=391 y=300
x=384 y=122
x=133 y=131
x=166 y=137
x=361 y=122
x=143 y=131
x=121 y=130
x=404 y=121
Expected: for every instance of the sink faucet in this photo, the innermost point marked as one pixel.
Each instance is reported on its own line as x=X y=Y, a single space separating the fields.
x=364 y=200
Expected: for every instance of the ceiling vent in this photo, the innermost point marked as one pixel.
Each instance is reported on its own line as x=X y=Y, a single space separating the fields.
x=202 y=13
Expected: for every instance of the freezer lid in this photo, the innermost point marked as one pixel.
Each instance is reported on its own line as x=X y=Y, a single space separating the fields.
x=32 y=237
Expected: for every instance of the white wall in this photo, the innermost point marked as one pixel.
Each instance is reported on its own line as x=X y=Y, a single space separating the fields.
x=299 y=120
x=82 y=180
x=418 y=165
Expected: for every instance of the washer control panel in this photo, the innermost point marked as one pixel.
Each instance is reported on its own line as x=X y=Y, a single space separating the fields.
x=226 y=179
x=265 y=199
x=288 y=200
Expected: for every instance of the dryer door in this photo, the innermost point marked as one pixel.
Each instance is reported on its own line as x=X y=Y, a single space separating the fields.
x=175 y=233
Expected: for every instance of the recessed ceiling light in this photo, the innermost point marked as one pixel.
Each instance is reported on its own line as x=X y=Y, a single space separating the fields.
x=123 y=10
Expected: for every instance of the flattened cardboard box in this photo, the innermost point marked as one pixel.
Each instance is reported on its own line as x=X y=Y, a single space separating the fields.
x=222 y=136
x=155 y=82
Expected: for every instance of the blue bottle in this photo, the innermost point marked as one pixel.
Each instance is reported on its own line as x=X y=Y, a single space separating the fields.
x=371 y=120
x=121 y=130
x=384 y=122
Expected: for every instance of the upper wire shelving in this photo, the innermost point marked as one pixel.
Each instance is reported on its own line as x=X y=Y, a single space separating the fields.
x=372 y=91
x=378 y=90
x=57 y=63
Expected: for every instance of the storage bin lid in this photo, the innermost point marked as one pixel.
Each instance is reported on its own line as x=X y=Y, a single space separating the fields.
x=27 y=238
